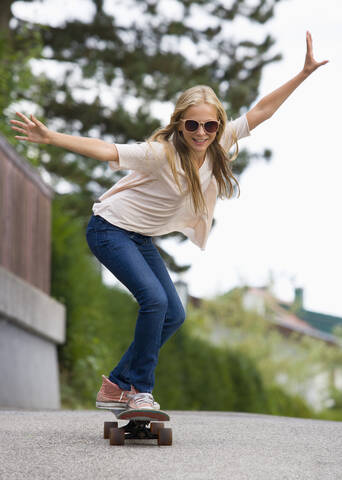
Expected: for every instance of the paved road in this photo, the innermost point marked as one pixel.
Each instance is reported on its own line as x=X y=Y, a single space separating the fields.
x=217 y=445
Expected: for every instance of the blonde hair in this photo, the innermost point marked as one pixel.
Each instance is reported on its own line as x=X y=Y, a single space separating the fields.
x=221 y=160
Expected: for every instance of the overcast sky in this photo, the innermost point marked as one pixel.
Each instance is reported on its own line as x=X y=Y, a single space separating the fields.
x=286 y=224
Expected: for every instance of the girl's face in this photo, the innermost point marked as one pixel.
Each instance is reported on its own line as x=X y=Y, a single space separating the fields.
x=199 y=141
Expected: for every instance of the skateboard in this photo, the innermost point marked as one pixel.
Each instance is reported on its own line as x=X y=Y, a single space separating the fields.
x=143 y=425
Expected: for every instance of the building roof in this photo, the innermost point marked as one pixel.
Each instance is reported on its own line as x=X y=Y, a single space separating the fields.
x=320 y=321
x=292 y=316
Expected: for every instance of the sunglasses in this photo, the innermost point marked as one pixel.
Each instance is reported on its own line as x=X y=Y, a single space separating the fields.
x=211 y=126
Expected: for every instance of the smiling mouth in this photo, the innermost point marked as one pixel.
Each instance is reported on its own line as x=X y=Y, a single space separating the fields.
x=200 y=142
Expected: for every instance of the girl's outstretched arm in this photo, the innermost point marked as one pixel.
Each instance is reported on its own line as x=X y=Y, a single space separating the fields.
x=36 y=132
x=266 y=107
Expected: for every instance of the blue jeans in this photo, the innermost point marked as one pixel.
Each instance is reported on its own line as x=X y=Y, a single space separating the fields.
x=135 y=261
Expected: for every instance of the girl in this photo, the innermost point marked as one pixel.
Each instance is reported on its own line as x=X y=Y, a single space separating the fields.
x=175 y=180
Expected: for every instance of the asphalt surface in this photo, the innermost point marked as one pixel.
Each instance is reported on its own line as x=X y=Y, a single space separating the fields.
x=214 y=445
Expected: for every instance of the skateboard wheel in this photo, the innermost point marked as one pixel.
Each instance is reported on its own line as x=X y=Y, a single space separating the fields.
x=116 y=436
x=165 y=436
x=156 y=426
x=107 y=426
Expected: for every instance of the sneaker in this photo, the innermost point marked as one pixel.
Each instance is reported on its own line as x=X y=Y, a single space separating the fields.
x=134 y=391
x=111 y=395
x=141 y=401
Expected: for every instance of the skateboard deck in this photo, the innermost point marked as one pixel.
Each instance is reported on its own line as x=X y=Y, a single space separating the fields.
x=144 y=425
x=143 y=414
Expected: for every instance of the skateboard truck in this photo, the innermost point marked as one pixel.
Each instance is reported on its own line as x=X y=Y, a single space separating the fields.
x=143 y=425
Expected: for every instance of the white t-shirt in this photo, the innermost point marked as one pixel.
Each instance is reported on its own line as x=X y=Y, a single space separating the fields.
x=148 y=200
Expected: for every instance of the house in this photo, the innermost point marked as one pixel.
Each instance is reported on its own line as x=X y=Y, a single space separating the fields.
x=292 y=317
x=289 y=318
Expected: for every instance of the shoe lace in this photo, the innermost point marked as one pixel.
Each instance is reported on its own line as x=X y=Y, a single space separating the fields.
x=140 y=398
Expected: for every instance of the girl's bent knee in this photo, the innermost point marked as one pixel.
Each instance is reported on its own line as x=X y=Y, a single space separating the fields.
x=156 y=302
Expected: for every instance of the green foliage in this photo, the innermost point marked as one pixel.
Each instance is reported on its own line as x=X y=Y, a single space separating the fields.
x=192 y=374
x=280 y=401
x=283 y=363
x=115 y=71
x=16 y=77
x=99 y=318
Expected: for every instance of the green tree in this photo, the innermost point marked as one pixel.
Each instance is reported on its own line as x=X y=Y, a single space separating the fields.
x=120 y=68
x=16 y=78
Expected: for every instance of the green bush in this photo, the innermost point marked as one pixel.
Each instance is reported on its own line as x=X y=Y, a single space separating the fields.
x=100 y=319
x=281 y=403
x=192 y=373
x=195 y=375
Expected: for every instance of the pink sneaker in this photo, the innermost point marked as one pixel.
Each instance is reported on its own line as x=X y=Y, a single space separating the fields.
x=134 y=391
x=111 y=395
x=141 y=401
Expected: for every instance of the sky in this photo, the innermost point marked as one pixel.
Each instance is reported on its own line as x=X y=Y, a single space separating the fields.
x=284 y=229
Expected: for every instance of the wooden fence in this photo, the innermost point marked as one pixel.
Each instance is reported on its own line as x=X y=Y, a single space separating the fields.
x=25 y=219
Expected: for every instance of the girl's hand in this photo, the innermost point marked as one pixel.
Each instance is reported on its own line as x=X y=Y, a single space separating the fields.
x=33 y=130
x=310 y=64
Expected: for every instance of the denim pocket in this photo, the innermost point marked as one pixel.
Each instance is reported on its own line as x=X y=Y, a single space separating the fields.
x=138 y=238
x=101 y=224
